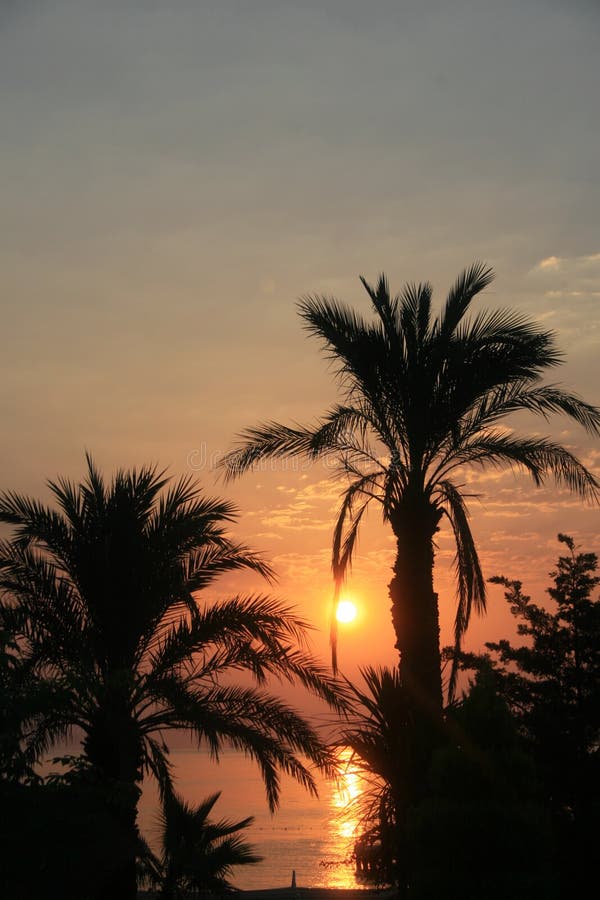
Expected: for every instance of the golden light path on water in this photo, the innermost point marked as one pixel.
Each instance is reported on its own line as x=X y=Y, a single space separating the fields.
x=345 y=820
x=313 y=837
x=345 y=795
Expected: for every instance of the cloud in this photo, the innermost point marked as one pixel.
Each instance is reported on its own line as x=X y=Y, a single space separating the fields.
x=291 y=520
x=305 y=567
x=532 y=538
x=369 y=568
x=569 y=276
x=328 y=489
x=552 y=262
x=310 y=508
x=561 y=263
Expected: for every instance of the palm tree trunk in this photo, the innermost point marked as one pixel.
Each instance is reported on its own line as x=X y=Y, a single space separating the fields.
x=415 y=607
x=113 y=749
x=416 y=623
x=122 y=883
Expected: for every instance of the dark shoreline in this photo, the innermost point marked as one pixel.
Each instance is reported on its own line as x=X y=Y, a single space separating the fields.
x=318 y=893
x=300 y=893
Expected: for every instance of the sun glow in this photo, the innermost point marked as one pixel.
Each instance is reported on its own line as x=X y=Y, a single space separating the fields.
x=346 y=611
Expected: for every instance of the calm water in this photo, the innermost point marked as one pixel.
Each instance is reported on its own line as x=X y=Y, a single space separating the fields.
x=313 y=837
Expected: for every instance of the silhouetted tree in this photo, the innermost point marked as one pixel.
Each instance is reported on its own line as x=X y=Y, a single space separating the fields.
x=482 y=829
x=478 y=824
x=551 y=683
x=425 y=397
x=61 y=837
x=13 y=689
x=101 y=594
x=197 y=854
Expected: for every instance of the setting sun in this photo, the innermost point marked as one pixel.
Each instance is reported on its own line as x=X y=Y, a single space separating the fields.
x=346 y=611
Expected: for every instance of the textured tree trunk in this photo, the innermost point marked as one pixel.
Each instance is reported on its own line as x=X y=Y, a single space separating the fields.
x=415 y=606
x=122 y=883
x=416 y=624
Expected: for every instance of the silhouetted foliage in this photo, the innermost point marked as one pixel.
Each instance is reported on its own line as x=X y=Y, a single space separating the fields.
x=197 y=853
x=551 y=684
x=63 y=839
x=14 y=689
x=479 y=824
x=101 y=596
x=482 y=831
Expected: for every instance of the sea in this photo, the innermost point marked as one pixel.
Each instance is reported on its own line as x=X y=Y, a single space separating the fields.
x=309 y=839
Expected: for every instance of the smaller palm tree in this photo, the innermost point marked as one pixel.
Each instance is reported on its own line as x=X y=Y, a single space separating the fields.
x=197 y=854
x=382 y=737
x=103 y=594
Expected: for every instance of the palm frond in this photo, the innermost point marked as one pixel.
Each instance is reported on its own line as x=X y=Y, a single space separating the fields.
x=337 y=325
x=540 y=457
x=469 y=283
x=469 y=577
x=70 y=501
x=415 y=314
x=344 y=544
x=338 y=426
x=156 y=761
x=259 y=642
x=201 y=567
x=332 y=434
x=551 y=399
x=270 y=439
x=266 y=729
x=230 y=623
x=45 y=609
x=33 y=523
x=388 y=311
x=197 y=853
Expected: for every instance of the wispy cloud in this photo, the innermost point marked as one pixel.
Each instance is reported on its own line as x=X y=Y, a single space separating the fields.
x=310 y=508
x=551 y=262
x=560 y=263
x=569 y=276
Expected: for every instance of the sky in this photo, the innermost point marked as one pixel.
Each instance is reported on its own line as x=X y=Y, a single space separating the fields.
x=175 y=175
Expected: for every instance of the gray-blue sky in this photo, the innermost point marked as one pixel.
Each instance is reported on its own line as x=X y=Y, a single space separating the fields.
x=174 y=175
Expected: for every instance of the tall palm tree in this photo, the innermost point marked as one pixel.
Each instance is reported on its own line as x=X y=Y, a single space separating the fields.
x=102 y=594
x=425 y=397
x=197 y=854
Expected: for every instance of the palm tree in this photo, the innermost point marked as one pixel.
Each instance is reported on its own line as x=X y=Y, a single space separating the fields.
x=425 y=397
x=382 y=740
x=197 y=854
x=101 y=594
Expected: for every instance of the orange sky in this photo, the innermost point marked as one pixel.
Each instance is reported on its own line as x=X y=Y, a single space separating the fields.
x=176 y=175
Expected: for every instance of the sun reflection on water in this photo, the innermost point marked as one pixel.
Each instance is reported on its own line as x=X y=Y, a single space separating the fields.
x=344 y=822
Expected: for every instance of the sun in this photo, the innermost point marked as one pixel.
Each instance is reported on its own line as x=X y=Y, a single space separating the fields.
x=346 y=611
